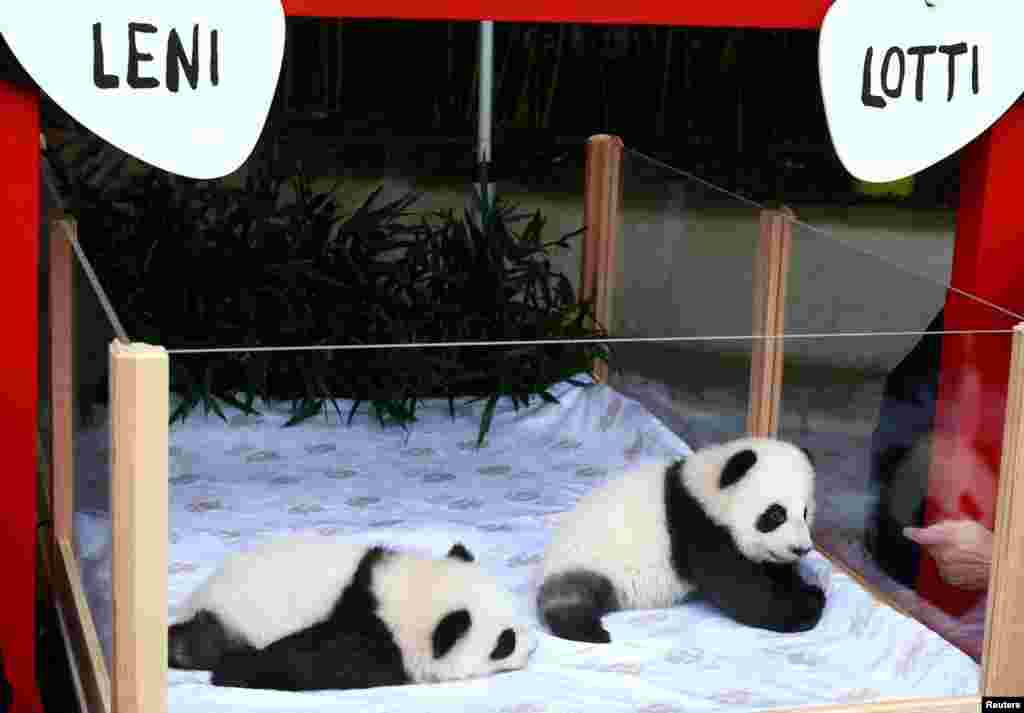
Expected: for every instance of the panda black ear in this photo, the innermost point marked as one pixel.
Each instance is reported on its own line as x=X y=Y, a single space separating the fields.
x=451 y=628
x=736 y=467
x=459 y=552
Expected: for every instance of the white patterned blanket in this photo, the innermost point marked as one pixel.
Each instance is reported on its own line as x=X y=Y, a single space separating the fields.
x=237 y=483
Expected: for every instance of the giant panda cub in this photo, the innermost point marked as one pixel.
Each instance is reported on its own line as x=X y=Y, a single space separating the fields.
x=730 y=521
x=303 y=614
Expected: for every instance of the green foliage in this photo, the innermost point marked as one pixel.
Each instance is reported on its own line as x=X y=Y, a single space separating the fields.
x=194 y=265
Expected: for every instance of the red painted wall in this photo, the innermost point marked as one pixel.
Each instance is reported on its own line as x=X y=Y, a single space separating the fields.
x=19 y=233
x=783 y=14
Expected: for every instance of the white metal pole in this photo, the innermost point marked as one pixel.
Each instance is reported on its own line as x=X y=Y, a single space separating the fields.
x=486 y=101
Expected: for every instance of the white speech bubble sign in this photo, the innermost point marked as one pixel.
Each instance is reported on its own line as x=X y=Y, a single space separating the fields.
x=884 y=129
x=224 y=56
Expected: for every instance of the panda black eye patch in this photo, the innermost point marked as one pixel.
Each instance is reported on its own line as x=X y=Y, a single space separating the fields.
x=771 y=518
x=452 y=628
x=506 y=645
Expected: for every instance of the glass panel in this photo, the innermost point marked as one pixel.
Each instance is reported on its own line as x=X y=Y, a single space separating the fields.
x=685 y=275
x=679 y=237
x=909 y=423
x=878 y=639
x=239 y=479
x=905 y=425
x=359 y=444
x=906 y=435
x=485 y=467
x=95 y=326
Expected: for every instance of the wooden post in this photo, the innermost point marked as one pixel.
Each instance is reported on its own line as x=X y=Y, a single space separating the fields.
x=602 y=196
x=139 y=398
x=958 y=704
x=61 y=378
x=78 y=628
x=92 y=684
x=1002 y=673
x=771 y=271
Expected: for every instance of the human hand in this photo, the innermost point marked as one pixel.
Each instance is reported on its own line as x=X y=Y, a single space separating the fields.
x=962 y=549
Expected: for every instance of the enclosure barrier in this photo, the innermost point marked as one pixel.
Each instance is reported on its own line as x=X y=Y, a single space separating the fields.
x=601 y=201
x=1004 y=632
x=771 y=268
x=1002 y=674
x=140 y=412
x=93 y=678
x=139 y=398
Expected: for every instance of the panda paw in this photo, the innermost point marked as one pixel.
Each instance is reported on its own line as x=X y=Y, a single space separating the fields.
x=592 y=633
x=808 y=607
x=576 y=624
x=238 y=669
x=226 y=678
x=597 y=635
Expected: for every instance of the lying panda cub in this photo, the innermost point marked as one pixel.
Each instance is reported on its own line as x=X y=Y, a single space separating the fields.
x=730 y=521
x=301 y=614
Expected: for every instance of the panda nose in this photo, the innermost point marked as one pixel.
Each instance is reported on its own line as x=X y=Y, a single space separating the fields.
x=800 y=551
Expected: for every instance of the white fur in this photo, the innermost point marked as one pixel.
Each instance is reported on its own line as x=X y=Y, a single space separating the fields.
x=276 y=589
x=415 y=592
x=619 y=530
x=268 y=592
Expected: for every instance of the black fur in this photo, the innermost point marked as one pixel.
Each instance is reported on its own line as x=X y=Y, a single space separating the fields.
x=352 y=648
x=459 y=552
x=318 y=658
x=736 y=467
x=453 y=626
x=199 y=643
x=506 y=645
x=582 y=598
x=765 y=596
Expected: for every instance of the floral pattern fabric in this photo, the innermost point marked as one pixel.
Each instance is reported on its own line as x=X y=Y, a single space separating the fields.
x=235 y=484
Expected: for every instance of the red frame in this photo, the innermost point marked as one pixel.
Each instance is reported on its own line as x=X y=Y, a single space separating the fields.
x=985 y=263
x=782 y=14
x=19 y=397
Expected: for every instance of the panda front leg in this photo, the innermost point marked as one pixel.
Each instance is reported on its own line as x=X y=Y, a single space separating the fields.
x=198 y=643
x=318 y=658
x=772 y=597
x=572 y=604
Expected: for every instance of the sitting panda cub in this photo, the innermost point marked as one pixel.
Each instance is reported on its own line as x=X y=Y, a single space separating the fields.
x=730 y=521
x=306 y=614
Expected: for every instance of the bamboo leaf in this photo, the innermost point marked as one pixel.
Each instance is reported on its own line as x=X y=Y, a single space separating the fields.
x=245 y=408
x=352 y=411
x=307 y=408
x=486 y=418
